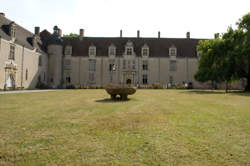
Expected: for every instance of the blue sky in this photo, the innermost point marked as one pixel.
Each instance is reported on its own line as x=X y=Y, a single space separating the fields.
x=106 y=17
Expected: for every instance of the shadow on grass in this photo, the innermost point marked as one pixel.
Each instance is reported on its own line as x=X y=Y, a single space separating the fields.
x=233 y=92
x=109 y=100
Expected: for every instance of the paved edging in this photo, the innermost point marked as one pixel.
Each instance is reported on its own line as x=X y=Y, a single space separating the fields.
x=28 y=91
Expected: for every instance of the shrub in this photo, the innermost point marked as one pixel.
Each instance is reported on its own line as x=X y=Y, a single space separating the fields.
x=77 y=87
x=157 y=86
x=70 y=87
x=40 y=85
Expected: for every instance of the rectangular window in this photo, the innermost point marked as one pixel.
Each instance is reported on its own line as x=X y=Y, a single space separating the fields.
x=129 y=64
x=92 y=51
x=40 y=61
x=124 y=64
x=144 y=65
x=112 y=51
x=144 y=52
x=145 y=79
x=133 y=65
x=12 y=52
x=26 y=74
x=129 y=51
x=171 y=79
x=112 y=65
x=172 y=66
x=91 y=77
x=172 y=51
x=68 y=79
x=92 y=63
x=68 y=51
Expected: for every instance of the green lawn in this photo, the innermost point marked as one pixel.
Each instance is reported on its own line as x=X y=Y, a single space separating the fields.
x=155 y=127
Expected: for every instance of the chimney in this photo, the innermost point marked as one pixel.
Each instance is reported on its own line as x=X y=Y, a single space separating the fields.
x=37 y=30
x=216 y=35
x=159 y=34
x=121 y=33
x=138 y=34
x=59 y=32
x=81 y=32
x=188 y=35
x=2 y=14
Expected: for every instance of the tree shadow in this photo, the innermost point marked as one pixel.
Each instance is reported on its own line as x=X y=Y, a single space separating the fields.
x=109 y=100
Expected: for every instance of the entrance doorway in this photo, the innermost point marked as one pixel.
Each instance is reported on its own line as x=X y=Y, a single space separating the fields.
x=10 y=82
x=129 y=81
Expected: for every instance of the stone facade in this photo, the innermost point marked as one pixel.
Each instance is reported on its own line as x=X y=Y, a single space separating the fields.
x=28 y=59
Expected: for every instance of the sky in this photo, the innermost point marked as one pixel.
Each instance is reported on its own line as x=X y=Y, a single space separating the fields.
x=105 y=18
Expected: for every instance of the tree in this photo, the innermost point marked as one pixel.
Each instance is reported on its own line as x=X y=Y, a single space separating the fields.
x=228 y=58
x=73 y=35
x=242 y=48
x=213 y=65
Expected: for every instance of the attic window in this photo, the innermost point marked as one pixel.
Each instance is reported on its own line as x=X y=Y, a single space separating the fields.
x=129 y=48
x=112 y=50
x=145 y=50
x=129 y=51
x=172 y=51
x=12 y=30
x=68 y=50
x=92 y=51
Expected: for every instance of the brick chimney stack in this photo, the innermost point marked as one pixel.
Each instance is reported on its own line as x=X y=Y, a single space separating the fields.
x=138 y=34
x=120 y=33
x=81 y=32
x=188 y=35
x=37 y=31
x=59 y=32
x=2 y=14
x=159 y=34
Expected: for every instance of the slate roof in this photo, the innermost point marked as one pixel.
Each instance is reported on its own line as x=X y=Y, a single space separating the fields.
x=23 y=37
x=158 y=47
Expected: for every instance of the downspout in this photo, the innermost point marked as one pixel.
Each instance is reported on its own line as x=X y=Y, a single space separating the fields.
x=79 y=71
x=62 y=73
x=101 y=71
x=159 y=64
x=187 y=69
x=22 y=67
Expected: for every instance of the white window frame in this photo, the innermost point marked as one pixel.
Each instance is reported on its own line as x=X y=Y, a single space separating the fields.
x=172 y=51
x=112 y=50
x=92 y=51
x=92 y=65
x=68 y=50
x=12 y=52
x=129 y=51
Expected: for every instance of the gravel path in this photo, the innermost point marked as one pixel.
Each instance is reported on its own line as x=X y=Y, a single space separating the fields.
x=28 y=91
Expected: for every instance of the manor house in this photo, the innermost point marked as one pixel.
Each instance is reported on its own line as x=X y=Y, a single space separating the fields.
x=27 y=59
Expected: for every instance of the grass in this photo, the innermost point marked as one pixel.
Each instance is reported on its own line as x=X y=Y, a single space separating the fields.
x=155 y=127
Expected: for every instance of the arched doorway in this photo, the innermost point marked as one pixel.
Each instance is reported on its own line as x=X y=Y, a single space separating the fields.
x=129 y=81
x=10 y=81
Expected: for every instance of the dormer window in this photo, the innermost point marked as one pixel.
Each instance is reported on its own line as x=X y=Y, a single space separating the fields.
x=12 y=30
x=129 y=51
x=145 y=50
x=112 y=50
x=92 y=51
x=172 y=51
x=129 y=48
x=68 y=50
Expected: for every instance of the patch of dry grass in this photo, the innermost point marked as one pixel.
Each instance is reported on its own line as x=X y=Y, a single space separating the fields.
x=155 y=127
